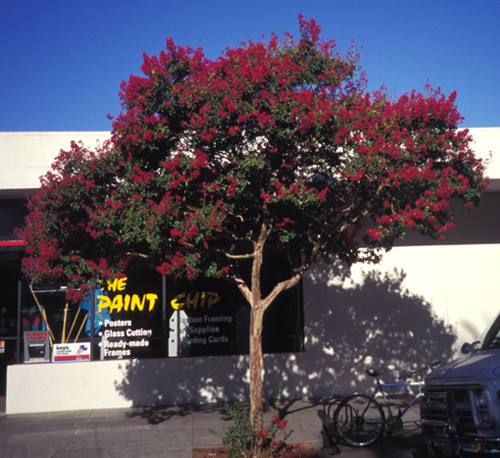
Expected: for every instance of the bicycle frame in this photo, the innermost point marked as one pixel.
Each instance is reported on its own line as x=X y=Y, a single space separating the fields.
x=380 y=389
x=359 y=420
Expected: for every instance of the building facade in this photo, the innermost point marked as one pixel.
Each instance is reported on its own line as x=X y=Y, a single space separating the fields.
x=418 y=305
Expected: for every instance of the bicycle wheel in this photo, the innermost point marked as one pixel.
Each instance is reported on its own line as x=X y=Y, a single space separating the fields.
x=358 y=421
x=331 y=405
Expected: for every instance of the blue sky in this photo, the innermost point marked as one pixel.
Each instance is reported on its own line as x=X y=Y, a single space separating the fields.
x=62 y=62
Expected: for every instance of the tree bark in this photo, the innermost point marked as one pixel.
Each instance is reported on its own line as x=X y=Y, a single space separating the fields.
x=256 y=366
x=256 y=322
x=258 y=306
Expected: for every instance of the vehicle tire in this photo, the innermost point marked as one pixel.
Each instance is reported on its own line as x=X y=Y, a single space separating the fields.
x=358 y=421
x=429 y=447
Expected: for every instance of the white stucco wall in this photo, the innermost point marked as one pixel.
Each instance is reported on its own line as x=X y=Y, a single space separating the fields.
x=460 y=282
x=26 y=156
x=418 y=305
x=486 y=144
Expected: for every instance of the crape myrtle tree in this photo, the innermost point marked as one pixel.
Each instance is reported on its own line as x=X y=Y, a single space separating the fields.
x=271 y=144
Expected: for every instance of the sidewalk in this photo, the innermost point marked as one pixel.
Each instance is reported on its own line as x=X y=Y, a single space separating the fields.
x=171 y=432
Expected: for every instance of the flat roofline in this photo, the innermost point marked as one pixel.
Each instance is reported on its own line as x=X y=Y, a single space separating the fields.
x=27 y=155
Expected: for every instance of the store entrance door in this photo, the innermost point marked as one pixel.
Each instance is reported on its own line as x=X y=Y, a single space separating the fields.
x=10 y=273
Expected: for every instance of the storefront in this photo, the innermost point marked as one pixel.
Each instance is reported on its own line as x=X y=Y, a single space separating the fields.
x=158 y=342
x=138 y=316
x=9 y=277
x=12 y=211
x=143 y=315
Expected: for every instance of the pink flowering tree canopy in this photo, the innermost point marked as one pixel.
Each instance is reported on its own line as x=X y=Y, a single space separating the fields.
x=279 y=144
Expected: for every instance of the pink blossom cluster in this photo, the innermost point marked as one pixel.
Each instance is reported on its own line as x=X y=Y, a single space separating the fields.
x=275 y=143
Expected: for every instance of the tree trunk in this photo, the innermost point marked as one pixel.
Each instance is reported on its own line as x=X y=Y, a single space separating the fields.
x=256 y=366
x=256 y=318
x=258 y=306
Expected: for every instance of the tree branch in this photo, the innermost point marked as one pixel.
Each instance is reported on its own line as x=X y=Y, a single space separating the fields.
x=283 y=286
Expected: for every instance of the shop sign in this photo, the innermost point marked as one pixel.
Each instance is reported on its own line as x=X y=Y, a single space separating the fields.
x=71 y=352
x=120 y=340
x=142 y=315
x=201 y=321
x=126 y=333
x=36 y=347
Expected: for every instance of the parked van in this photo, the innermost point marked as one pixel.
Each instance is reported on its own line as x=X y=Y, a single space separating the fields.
x=460 y=409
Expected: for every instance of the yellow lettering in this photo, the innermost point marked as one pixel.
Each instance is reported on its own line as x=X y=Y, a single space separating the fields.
x=127 y=302
x=104 y=302
x=192 y=301
x=117 y=303
x=152 y=300
x=118 y=284
x=177 y=302
x=136 y=302
x=213 y=298
x=122 y=283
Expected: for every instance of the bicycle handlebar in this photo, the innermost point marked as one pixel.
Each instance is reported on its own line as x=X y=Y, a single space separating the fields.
x=427 y=368
x=376 y=373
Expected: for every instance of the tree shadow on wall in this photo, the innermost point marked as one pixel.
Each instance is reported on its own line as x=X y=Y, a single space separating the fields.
x=375 y=323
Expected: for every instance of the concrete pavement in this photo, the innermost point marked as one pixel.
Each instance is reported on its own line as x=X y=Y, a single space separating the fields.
x=170 y=432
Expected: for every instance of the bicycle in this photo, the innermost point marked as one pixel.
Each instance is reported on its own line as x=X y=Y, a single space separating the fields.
x=360 y=421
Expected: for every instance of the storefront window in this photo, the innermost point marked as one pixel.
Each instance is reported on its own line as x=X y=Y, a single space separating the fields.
x=144 y=315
